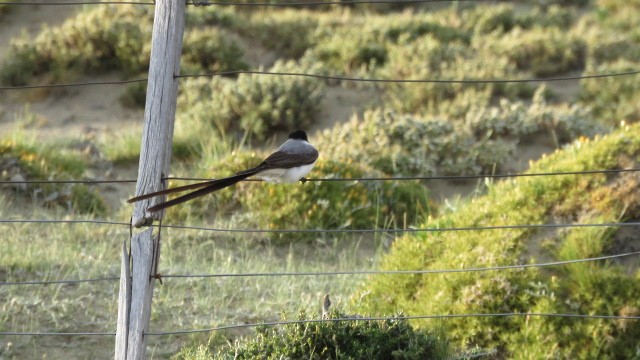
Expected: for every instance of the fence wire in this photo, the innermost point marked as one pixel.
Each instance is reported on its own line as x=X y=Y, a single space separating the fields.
x=313 y=321
x=415 y=317
x=320 y=3
x=328 y=231
x=390 y=178
x=335 y=273
x=338 y=78
x=244 y=4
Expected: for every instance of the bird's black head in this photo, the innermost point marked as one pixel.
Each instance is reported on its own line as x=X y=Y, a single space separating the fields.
x=298 y=135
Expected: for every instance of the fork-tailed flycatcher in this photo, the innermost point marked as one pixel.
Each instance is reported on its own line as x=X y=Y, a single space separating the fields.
x=291 y=162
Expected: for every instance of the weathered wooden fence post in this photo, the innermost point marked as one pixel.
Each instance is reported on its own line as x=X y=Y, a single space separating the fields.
x=140 y=265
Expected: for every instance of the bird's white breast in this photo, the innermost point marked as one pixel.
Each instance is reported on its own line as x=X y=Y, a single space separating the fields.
x=286 y=175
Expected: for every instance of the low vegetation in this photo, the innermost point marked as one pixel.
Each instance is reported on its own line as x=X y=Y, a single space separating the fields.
x=22 y=159
x=606 y=288
x=404 y=129
x=348 y=339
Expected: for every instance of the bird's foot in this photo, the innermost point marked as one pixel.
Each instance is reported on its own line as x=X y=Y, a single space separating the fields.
x=303 y=180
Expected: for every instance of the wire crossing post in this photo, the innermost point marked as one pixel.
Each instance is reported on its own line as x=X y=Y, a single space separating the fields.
x=139 y=266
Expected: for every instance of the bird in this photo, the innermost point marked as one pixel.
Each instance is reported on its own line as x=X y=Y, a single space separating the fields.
x=291 y=162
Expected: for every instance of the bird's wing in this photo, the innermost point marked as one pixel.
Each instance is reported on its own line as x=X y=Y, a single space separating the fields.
x=287 y=160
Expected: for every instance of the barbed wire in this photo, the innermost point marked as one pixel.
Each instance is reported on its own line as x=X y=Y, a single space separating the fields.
x=310 y=321
x=337 y=273
x=284 y=231
x=415 y=317
x=390 y=178
x=336 y=78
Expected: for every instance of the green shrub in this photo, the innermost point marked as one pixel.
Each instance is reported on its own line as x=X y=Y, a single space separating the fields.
x=209 y=50
x=543 y=51
x=613 y=99
x=347 y=50
x=99 y=39
x=135 y=95
x=388 y=339
x=256 y=104
x=403 y=145
x=428 y=58
x=287 y=32
x=335 y=204
x=363 y=42
x=22 y=159
x=586 y=288
x=318 y=205
x=504 y=18
x=482 y=141
x=517 y=120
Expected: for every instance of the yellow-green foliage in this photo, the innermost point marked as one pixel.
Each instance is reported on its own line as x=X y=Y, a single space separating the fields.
x=317 y=205
x=112 y=37
x=427 y=58
x=613 y=37
x=543 y=51
x=587 y=288
x=102 y=38
x=256 y=104
x=613 y=99
x=210 y=50
x=390 y=339
x=30 y=161
x=335 y=205
x=287 y=32
x=480 y=142
x=504 y=17
x=364 y=42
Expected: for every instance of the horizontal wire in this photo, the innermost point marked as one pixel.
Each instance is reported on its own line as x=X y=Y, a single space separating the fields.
x=329 y=77
x=76 y=221
x=9 y=182
x=442 y=177
x=395 y=272
x=408 y=230
x=57 y=3
x=468 y=81
x=309 y=321
x=335 y=273
x=52 y=282
x=398 y=178
x=251 y=4
x=87 y=83
x=314 y=3
x=473 y=355
x=12 y=333
x=416 y=317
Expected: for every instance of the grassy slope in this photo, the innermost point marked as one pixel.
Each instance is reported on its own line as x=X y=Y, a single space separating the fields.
x=588 y=288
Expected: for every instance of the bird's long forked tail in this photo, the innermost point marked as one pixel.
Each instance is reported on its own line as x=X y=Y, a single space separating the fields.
x=204 y=188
